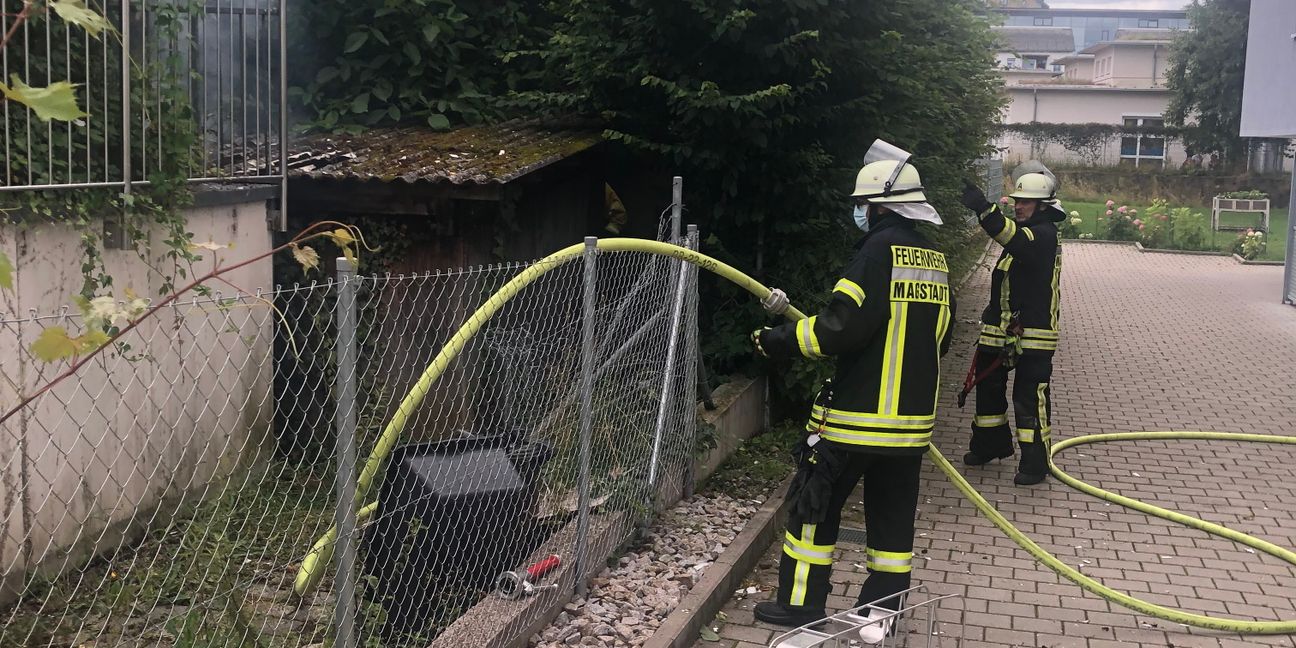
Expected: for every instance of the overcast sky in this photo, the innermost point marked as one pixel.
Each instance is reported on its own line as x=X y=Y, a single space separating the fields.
x=1118 y=4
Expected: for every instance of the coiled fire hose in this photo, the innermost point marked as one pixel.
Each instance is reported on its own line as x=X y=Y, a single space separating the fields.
x=313 y=566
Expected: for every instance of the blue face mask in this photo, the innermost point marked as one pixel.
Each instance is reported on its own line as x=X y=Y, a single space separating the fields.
x=861 y=217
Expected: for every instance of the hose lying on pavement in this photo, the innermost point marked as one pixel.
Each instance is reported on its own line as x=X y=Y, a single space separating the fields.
x=312 y=569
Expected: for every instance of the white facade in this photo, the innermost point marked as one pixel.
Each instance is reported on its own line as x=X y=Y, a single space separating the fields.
x=1130 y=64
x=1118 y=82
x=1081 y=104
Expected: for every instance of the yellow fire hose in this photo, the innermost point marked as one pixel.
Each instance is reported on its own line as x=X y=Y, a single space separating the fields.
x=320 y=554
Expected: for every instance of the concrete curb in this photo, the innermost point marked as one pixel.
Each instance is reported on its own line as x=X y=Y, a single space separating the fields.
x=1235 y=256
x=1072 y=241
x=1188 y=252
x=680 y=629
x=1239 y=259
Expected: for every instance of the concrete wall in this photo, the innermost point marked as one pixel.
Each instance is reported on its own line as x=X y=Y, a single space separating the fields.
x=1139 y=67
x=1131 y=66
x=88 y=463
x=739 y=415
x=1079 y=71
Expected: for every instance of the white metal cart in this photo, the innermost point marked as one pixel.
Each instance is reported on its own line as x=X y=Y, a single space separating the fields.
x=910 y=623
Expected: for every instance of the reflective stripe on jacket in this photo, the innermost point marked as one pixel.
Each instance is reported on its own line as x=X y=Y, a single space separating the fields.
x=888 y=324
x=1025 y=280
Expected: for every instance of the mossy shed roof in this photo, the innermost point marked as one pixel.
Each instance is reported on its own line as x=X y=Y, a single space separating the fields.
x=494 y=154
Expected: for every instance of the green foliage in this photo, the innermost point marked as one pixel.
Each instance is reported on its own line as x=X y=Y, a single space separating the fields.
x=1189 y=229
x=1154 y=227
x=6 y=272
x=1205 y=77
x=1250 y=194
x=1070 y=227
x=1249 y=244
x=1120 y=224
x=438 y=62
x=189 y=577
x=760 y=463
x=767 y=107
x=56 y=101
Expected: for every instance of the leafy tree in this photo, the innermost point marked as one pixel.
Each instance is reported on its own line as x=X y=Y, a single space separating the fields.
x=1207 y=66
x=767 y=108
x=440 y=62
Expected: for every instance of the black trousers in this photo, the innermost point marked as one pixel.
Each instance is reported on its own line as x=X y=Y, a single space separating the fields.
x=890 y=503
x=1032 y=409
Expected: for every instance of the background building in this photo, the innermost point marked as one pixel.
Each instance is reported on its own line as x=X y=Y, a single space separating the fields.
x=1086 y=66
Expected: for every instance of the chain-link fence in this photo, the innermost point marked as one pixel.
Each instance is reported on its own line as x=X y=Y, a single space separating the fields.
x=168 y=493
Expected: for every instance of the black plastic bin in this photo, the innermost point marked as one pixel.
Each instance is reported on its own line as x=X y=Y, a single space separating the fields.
x=452 y=515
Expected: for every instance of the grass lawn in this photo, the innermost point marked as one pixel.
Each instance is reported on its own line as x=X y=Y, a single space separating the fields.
x=1222 y=240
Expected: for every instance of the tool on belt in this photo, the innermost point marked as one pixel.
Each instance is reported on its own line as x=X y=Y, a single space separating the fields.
x=1007 y=357
x=514 y=585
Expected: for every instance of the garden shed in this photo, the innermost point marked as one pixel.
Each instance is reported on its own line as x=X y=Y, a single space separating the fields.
x=441 y=206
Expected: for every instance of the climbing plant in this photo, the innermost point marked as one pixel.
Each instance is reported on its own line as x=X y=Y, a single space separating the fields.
x=1087 y=141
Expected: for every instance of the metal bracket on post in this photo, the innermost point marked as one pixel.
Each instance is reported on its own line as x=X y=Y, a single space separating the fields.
x=579 y=562
x=677 y=306
x=345 y=419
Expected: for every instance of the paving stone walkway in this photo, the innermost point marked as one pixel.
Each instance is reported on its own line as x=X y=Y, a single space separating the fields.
x=1150 y=342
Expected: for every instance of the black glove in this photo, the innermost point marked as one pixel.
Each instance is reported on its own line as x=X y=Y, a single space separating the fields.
x=811 y=492
x=975 y=199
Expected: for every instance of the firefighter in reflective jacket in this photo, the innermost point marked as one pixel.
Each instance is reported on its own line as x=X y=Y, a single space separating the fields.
x=1020 y=324
x=887 y=324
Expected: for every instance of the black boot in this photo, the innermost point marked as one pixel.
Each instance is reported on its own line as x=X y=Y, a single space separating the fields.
x=976 y=459
x=786 y=616
x=1033 y=467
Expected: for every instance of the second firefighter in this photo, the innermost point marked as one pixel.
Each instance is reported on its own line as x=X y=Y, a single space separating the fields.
x=1019 y=327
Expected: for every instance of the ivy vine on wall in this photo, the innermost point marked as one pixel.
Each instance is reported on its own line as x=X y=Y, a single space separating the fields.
x=1087 y=141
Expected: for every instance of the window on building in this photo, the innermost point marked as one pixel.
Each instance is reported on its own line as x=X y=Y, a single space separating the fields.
x=1043 y=21
x=1032 y=62
x=1141 y=148
x=1147 y=23
x=1056 y=68
x=1012 y=62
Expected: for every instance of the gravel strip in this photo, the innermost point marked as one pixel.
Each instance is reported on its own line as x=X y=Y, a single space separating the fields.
x=626 y=604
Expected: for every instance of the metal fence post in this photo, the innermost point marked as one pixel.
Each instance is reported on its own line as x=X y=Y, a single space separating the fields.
x=127 y=172
x=677 y=305
x=281 y=223
x=677 y=207
x=345 y=419
x=586 y=411
x=691 y=367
